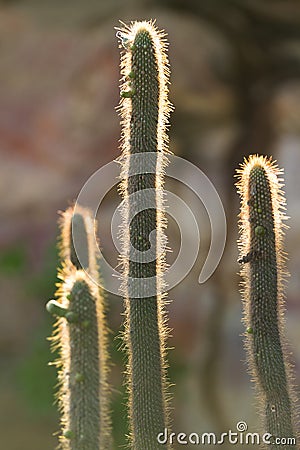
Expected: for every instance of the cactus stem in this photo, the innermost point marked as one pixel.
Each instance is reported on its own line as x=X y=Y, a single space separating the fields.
x=262 y=241
x=144 y=120
x=80 y=338
x=78 y=245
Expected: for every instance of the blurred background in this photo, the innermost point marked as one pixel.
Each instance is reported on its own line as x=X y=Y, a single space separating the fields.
x=235 y=83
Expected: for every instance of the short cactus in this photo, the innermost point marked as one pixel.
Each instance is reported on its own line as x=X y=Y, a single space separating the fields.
x=80 y=336
x=144 y=110
x=262 y=259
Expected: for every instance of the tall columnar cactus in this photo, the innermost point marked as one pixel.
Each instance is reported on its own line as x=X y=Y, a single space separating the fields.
x=80 y=337
x=144 y=111
x=263 y=270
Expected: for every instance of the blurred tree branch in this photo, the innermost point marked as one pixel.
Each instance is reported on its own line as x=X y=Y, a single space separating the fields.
x=258 y=34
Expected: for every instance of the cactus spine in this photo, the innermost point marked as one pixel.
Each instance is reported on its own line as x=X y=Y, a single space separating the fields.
x=80 y=336
x=261 y=228
x=144 y=110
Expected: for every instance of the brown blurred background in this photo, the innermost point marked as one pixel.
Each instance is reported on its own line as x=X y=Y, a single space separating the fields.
x=235 y=83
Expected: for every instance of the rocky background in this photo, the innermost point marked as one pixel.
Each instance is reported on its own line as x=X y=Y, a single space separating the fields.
x=236 y=86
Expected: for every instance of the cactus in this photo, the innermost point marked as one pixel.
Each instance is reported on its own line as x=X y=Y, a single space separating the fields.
x=263 y=271
x=77 y=240
x=144 y=110
x=80 y=337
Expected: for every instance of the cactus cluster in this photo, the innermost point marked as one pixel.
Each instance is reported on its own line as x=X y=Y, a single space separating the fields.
x=263 y=271
x=80 y=332
x=80 y=337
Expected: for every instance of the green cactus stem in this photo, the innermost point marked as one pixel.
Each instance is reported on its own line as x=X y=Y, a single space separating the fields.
x=80 y=336
x=144 y=110
x=263 y=271
x=78 y=246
